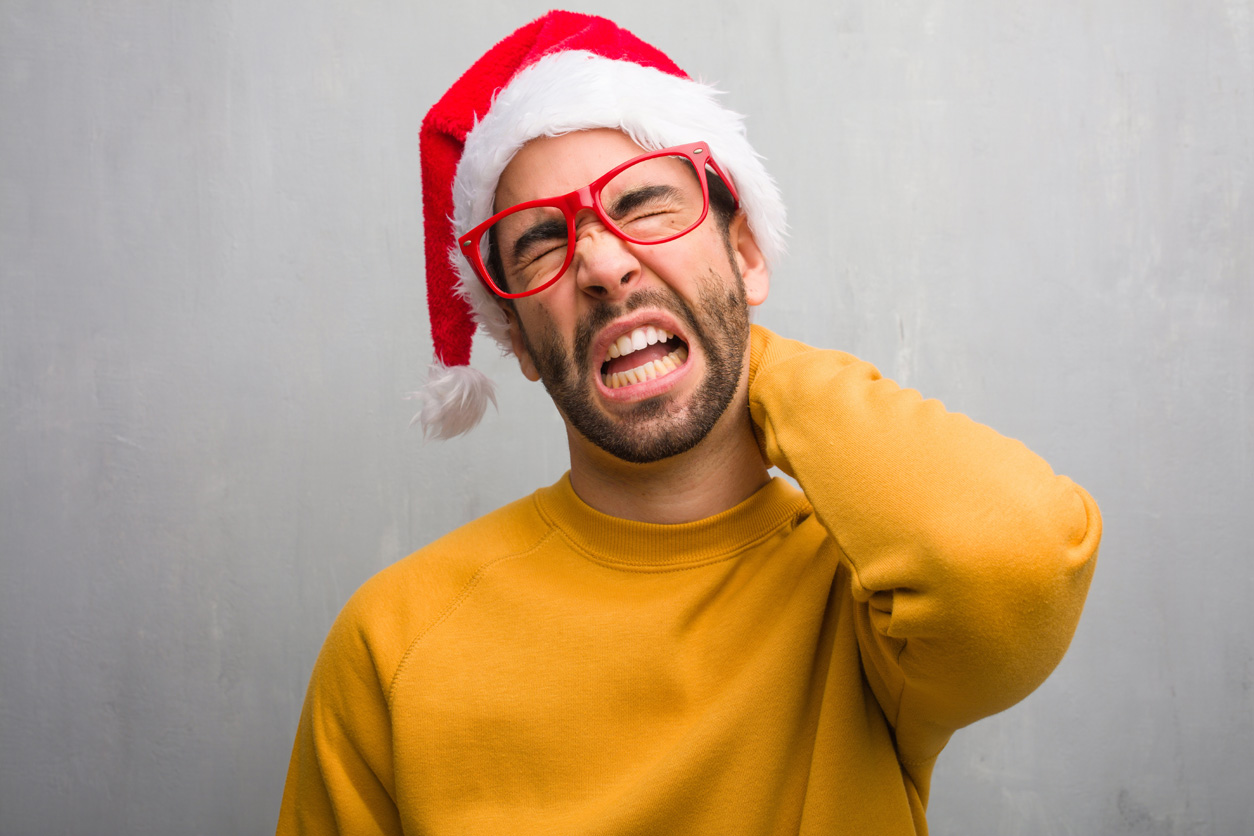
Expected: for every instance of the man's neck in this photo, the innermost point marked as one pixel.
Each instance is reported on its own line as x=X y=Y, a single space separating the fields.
x=722 y=471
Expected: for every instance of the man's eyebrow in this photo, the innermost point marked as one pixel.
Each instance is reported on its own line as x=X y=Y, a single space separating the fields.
x=545 y=230
x=630 y=199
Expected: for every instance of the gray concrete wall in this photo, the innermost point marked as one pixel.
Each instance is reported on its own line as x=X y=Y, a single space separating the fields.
x=211 y=307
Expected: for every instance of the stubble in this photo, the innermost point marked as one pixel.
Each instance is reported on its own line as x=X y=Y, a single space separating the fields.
x=656 y=428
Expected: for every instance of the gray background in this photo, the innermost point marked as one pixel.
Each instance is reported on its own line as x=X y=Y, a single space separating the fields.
x=212 y=306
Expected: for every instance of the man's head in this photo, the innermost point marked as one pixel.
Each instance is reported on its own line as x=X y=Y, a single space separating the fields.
x=561 y=74
x=641 y=345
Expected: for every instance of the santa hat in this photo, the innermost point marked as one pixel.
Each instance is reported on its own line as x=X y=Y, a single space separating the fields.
x=561 y=73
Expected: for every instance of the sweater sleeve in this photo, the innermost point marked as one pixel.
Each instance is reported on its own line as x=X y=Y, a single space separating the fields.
x=340 y=778
x=969 y=558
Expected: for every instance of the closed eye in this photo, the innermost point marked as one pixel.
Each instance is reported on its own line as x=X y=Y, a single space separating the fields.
x=642 y=199
x=538 y=239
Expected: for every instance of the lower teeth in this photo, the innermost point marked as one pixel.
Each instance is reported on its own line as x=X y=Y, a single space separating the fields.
x=649 y=371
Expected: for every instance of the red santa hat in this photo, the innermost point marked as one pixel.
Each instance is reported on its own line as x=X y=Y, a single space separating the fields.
x=563 y=72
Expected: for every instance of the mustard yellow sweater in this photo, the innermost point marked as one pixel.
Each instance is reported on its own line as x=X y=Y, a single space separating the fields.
x=794 y=664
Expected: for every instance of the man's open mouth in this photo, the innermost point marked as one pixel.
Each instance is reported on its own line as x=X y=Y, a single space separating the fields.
x=643 y=354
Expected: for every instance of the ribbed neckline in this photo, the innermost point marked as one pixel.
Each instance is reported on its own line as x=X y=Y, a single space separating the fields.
x=652 y=545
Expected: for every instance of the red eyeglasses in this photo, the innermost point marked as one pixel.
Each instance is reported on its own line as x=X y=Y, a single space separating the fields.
x=651 y=199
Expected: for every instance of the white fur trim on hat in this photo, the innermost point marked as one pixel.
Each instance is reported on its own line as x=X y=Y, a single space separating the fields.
x=576 y=91
x=454 y=399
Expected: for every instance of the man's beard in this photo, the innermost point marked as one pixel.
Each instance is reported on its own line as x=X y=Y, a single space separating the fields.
x=656 y=428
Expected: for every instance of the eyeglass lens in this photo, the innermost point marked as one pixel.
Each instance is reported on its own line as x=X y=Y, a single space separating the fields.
x=649 y=201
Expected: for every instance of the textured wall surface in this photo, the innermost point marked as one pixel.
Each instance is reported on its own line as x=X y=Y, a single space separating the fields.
x=211 y=307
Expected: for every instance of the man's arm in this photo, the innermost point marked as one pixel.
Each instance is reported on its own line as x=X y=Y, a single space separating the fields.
x=969 y=558
x=340 y=777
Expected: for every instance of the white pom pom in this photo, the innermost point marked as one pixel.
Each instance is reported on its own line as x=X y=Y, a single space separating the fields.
x=453 y=400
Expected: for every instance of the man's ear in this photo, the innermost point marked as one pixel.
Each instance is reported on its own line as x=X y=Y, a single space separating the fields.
x=749 y=258
x=517 y=343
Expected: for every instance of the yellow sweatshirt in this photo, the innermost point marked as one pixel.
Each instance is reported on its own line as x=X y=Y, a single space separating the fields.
x=792 y=665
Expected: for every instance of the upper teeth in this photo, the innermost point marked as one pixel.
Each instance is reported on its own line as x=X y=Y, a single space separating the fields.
x=636 y=340
x=633 y=342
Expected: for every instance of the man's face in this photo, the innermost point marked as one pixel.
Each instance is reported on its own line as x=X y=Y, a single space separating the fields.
x=641 y=347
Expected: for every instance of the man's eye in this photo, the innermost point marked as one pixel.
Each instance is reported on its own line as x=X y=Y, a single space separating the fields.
x=654 y=215
x=537 y=262
x=540 y=250
x=537 y=242
x=641 y=202
x=645 y=213
x=646 y=208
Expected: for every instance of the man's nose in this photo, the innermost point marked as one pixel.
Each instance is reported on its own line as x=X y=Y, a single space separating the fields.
x=604 y=264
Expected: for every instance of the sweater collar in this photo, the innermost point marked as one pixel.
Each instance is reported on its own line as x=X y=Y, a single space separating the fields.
x=642 y=545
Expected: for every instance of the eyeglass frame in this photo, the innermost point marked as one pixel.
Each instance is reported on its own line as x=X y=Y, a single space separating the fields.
x=589 y=197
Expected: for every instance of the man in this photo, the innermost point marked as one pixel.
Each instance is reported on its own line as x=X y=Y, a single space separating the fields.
x=668 y=640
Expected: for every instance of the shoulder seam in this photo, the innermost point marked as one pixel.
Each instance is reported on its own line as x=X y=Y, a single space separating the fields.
x=454 y=605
